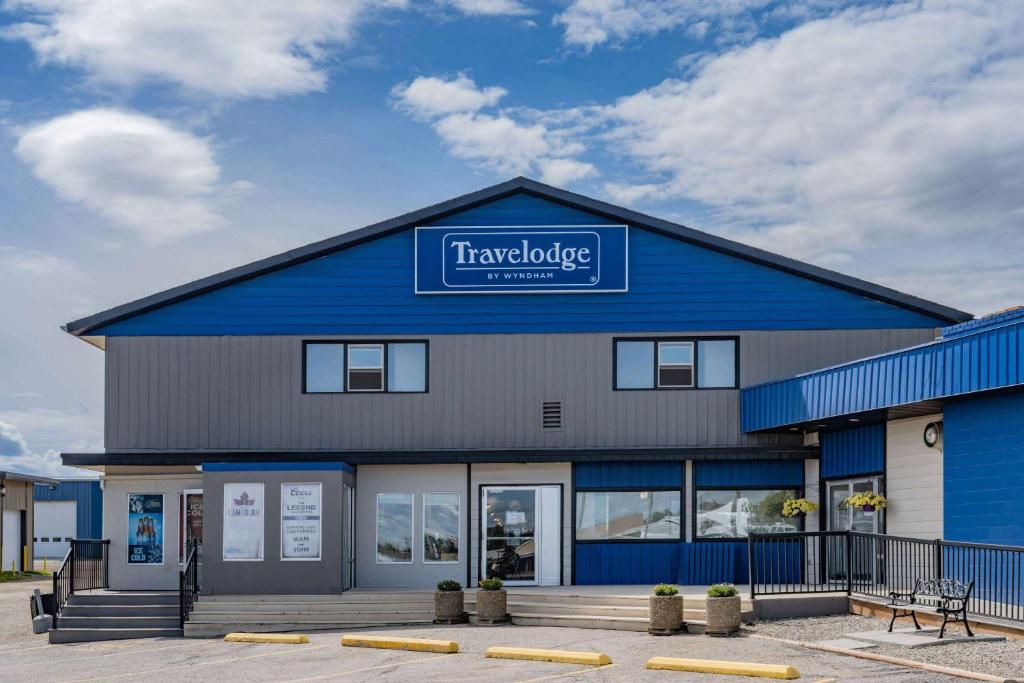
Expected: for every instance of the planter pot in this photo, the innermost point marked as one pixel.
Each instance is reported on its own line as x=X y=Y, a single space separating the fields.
x=723 y=616
x=491 y=607
x=868 y=508
x=666 y=615
x=449 y=607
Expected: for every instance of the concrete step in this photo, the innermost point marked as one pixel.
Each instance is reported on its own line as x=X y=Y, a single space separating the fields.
x=573 y=609
x=213 y=630
x=86 y=635
x=311 y=618
x=570 y=598
x=577 y=621
x=128 y=622
x=349 y=597
x=124 y=598
x=120 y=610
x=204 y=605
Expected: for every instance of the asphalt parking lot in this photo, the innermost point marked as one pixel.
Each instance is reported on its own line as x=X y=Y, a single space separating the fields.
x=324 y=659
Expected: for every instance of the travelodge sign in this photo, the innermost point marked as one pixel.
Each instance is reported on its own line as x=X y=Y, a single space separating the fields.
x=521 y=259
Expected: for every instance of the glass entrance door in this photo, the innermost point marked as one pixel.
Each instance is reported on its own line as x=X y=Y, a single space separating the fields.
x=510 y=534
x=843 y=518
x=192 y=526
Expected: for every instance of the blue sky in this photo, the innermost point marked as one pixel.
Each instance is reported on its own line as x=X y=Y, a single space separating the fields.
x=145 y=145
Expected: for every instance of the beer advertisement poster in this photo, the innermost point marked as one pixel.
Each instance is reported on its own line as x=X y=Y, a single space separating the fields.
x=145 y=528
x=243 y=522
x=300 y=521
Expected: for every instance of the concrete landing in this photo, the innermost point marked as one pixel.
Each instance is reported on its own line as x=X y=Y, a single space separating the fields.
x=848 y=644
x=926 y=637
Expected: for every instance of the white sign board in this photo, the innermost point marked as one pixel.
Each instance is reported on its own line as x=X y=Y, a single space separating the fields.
x=243 y=522
x=300 y=521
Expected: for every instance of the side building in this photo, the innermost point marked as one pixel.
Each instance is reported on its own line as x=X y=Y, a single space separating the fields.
x=521 y=382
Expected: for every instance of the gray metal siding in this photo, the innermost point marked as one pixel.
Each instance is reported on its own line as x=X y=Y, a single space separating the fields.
x=486 y=391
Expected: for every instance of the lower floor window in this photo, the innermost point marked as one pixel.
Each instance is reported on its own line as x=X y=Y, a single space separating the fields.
x=736 y=513
x=621 y=515
x=394 y=528
x=441 y=524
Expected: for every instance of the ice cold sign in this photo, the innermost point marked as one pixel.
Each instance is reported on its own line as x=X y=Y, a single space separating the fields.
x=546 y=259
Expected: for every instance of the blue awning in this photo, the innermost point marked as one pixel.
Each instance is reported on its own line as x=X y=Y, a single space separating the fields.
x=980 y=355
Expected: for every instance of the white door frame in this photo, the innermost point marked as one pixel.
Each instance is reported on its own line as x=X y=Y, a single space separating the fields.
x=848 y=483
x=541 y=537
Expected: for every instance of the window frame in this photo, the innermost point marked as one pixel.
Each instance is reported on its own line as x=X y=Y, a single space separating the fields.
x=423 y=530
x=695 y=340
x=681 y=490
x=344 y=370
x=383 y=369
x=412 y=527
x=801 y=491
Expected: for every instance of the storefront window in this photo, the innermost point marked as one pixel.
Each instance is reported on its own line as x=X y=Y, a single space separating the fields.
x=441 y=526
x=736 y=513
x=394 y=528
x=635 y=515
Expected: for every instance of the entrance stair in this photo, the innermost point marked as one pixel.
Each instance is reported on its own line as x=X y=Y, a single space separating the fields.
x=569 y=606
x=117 y=615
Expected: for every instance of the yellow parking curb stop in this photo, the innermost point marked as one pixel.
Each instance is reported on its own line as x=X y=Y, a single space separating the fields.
x=389 y=643
x=557 y=656
x=278 y=638
x=710 y=666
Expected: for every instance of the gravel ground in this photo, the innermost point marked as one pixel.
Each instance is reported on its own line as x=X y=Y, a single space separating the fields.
x=997 y=658
x=15 y=624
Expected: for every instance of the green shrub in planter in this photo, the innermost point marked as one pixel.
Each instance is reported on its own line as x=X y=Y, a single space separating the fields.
x=449 y=585
x=491 y=584
x=491 y=602
x=665 y=590
x=722 y=590
x=666 y=612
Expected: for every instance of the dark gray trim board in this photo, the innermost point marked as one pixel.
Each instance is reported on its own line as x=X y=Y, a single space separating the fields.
x=83 y=326
x=166 y=458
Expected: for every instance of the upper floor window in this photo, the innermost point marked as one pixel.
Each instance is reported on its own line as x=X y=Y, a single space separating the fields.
x=337 y=367
x=673 y=363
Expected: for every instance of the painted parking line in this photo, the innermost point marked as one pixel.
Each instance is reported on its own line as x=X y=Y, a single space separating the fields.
x=567 y=674
x=122 y=651
x=193 y=665
x=339 y=674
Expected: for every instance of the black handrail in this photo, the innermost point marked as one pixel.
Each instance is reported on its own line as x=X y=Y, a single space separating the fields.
x=188 y=582
x=873 y=565
x=86 y=566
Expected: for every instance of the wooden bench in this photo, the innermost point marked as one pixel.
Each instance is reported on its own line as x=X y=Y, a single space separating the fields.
x=947 y=597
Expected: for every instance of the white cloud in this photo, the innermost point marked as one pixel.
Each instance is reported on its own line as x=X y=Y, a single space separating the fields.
x=862 y=139
x=16 y=456
x=489 y=7
x=139 y=172
x=430 y=96
x=31 y=262
x=508 y=142
x=227 y=48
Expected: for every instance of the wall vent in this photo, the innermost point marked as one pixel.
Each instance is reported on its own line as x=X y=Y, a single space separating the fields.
x=551 y=415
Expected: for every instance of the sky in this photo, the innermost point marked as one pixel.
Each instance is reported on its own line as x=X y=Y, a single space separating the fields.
x=143 y=145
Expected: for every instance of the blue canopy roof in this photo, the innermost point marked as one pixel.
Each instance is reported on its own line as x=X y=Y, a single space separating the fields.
x=979 y=355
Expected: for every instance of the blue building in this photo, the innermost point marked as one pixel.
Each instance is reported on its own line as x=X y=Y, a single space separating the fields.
x=66 y=510
x=521 y=383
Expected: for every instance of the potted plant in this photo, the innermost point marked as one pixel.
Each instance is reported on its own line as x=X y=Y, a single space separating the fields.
x=666 y=611
x=491 y=602
x=798 y=507
x=869 y=501
x=723 y=610
x=449 y=603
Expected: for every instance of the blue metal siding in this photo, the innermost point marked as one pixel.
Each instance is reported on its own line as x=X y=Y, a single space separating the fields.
x=629 y=475
x=88 y=495
x=724 y=473
x=983 y=470
x=852 y=452
x=368 y=289
x=992 y=358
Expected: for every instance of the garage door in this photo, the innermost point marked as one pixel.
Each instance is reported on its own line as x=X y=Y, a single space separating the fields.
x=12 y=539
x=56 y=523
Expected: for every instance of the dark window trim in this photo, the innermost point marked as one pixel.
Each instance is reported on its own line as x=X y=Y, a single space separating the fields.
x=344 y=365
x=696 y=361
x=634 y=489
x=801 y=488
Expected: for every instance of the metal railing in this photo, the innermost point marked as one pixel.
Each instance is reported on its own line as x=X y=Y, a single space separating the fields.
x=873 y=565
x=85 y=567
x=188 y=582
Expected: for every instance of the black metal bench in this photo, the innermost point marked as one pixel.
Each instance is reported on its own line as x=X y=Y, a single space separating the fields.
x=947 y=597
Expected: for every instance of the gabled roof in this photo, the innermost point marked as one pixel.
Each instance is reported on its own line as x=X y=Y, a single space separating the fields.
x=84 y=326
